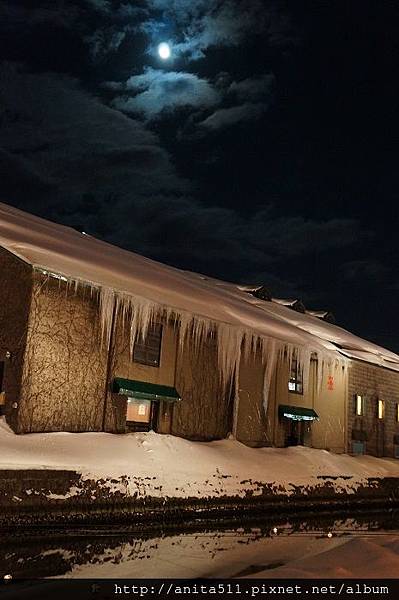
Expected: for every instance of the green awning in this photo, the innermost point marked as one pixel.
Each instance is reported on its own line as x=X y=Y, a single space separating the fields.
x=297 y=413
x=144 y=391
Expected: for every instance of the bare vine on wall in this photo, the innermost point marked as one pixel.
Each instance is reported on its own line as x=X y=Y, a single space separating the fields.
x=64 y=368
x=205 y=411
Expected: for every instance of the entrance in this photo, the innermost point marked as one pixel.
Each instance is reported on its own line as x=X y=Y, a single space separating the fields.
x=294 y=432
x=297 y=424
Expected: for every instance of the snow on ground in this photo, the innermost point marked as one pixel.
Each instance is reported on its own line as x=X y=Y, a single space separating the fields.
x=364 y=557
x=165 y=465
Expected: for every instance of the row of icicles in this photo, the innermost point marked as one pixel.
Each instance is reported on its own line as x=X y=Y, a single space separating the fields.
x=233 y=343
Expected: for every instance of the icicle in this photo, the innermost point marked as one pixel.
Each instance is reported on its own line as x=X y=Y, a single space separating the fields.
x=233 y=342
x=271 y=361
x=229 y=341
x=107 y=305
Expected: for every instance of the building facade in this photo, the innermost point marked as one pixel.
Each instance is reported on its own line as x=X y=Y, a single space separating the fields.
x=57 y=374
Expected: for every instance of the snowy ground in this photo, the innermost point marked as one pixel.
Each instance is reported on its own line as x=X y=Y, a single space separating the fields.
x=163 y=465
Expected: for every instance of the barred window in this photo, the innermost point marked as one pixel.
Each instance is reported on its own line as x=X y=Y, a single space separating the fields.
x=359 y=405
x=147 y=351
x=295 y=382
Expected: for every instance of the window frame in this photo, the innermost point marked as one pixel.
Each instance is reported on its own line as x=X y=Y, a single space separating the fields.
x=295 y=378
x=143 y=349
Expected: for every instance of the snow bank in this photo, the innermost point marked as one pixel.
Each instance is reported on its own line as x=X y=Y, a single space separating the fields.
x=150 y=464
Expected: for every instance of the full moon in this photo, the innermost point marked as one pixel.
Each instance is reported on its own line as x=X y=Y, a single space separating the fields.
x=164 y=50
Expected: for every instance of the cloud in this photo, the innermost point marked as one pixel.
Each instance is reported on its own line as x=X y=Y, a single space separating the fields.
x=225 y=117
x=104 y=40
x=194 y=27
x=253 y=88
x=103 y=6
x=65 y=135
x=17 y=17
x=69 y=157
x=365 y=271
x=159 y=91
x=296 y=236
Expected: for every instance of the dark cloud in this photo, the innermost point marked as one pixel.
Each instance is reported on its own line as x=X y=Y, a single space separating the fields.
x=65 y=135
x=103 y=172
x=225 y=117
x=105 y=40
x=296 y=236
x=253 y=88
x=365 y=272
x=103 y=6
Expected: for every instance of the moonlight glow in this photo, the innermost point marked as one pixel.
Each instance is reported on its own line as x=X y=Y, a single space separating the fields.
x=164 y=50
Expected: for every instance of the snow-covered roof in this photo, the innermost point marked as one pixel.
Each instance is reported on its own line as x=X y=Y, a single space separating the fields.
x=77 y=256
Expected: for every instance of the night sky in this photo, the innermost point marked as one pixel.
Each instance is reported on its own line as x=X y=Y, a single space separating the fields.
x=264 y=150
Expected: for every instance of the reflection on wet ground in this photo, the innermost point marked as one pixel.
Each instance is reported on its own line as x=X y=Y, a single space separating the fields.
x=239 y=551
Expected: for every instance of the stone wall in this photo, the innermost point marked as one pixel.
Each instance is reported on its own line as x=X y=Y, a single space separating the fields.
x=15 y=294
x=254 y=425
x=206 y=409
x=63 y=382
x=373 y=383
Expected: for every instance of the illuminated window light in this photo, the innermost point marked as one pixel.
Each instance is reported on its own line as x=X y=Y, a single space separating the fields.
x=397 y=412
x=381 y=409
x=359 y=405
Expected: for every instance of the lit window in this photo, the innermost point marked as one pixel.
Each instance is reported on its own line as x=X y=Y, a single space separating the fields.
x=381 y=409
x=359 y=405
x=138 y=411
x=147 y=351
x=295 y=382
x=397 y=413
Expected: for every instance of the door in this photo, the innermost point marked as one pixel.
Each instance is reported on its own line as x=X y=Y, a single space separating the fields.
x=294 y=432
x=380 y=437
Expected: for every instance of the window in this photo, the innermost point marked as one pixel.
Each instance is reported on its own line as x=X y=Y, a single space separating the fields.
x=397 y=413
x=147 y=351
x=138 y=411
x=380 y=409
x=359 y=405
x=295 y=382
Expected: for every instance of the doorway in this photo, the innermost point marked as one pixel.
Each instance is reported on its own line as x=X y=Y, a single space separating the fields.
x=294 y=432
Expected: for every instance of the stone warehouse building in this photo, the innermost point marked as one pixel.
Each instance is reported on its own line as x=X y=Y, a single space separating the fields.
x=95 y=338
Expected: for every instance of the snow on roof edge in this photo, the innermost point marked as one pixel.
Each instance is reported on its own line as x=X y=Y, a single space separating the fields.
x=50 y=247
